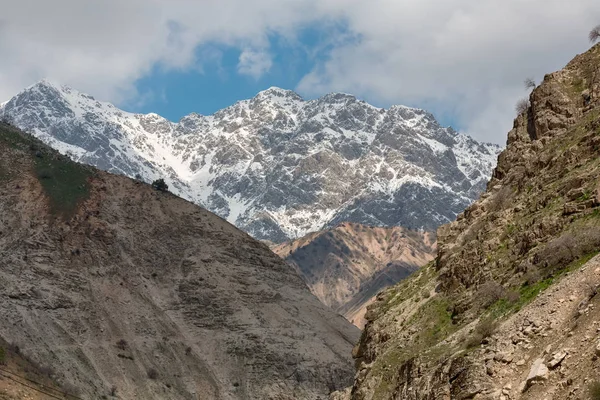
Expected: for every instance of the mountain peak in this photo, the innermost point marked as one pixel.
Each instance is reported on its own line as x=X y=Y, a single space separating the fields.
x=275 y=91
x=48 y=86
x=338 y=97
x=276 y=166
x=46 y=83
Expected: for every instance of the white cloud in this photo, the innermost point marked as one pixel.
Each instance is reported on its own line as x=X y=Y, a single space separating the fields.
x=464 y=58
x=467 y=57
x=103 y=47
x=254 y=63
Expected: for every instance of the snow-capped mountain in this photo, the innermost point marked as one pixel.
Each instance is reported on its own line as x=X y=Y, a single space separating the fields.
x=276 y=166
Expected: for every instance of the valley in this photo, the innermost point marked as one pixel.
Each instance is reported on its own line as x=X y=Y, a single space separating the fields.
x=345 y=267
x=303 y=248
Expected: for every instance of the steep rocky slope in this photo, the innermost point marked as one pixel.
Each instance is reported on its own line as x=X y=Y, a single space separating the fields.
x=276 y=166
x=114 y=284
x=509 y=309
x=345 y=267
x=20 y=378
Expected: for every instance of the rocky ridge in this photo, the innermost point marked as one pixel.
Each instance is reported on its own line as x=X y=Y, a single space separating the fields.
x=345 y=267
x=276 y=166
x=509 y=308
x=112 y=284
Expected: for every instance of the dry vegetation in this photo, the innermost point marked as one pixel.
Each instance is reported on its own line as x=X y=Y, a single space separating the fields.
x=594 y=34
x=522 y=106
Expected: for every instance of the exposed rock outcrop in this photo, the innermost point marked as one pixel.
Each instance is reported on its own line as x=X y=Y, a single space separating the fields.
x=515 y=311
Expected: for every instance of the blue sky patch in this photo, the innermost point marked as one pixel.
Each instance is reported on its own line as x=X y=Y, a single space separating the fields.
x=215 y=82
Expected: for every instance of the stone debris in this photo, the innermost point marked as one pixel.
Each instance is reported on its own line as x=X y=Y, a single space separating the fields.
x=557 y=359
x=537 y=373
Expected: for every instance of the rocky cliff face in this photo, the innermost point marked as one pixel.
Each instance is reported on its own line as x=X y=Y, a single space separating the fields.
x=276 y=166
x=114 y=284
x=509 y=309
x=345 y=267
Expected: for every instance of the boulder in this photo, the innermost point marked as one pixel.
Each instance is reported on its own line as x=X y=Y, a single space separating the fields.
x=557 y=359
x=537 y=373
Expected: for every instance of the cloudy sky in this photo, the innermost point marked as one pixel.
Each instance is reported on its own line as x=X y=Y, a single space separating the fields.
x=464 y=60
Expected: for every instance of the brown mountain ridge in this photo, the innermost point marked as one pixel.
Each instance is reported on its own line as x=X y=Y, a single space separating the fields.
x=120 y=288
x=345 y=267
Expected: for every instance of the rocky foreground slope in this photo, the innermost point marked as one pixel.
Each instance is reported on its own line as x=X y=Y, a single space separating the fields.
x=117 y=287
x=276 y=166
x=345 y=267
x=510 y=307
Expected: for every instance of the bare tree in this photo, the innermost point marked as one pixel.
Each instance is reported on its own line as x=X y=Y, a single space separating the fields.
x=529 y=83
x=489 y=293
x=522 y=106
x=595 y=34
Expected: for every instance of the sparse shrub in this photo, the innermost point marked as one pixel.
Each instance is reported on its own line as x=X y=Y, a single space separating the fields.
x=567 y=248
x=113 y=391
x=558 y=252
x=529 y=83
x=160 y=184
x=2 y=356
x=483 y=330
x=152 y=374
x=588 y=241
x=512 y=296
x=37 y=368
x=522 y=106
x=500 y=199
x=45 y=174
x=532 y=276
x=473 y=341
x=486 y=328
x=594 y=390
x=489 y=293
x=71 y=389
x=425 y=294
x=567 y=244
x=122 y=344
x=188 y=351
x=595 y=34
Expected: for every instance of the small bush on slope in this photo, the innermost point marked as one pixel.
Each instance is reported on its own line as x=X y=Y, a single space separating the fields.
x=160 y=184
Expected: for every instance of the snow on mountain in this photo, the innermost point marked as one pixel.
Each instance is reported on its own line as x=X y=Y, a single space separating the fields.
x=276 y=165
